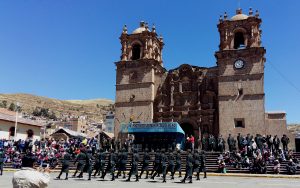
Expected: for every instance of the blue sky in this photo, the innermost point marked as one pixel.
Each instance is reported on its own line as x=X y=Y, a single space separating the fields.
x=66 y=49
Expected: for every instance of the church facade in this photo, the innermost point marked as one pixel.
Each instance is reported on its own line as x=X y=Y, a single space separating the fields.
x=225 y=99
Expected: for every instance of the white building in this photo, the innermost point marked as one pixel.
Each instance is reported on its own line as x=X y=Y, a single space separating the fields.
x=25 y=128
x=110 y=122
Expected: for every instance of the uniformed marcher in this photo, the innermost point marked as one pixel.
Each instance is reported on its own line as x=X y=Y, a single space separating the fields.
x=161 y=162
x=189 y=167
x=171 y=164
x=1 y=161
x=134 y=166
x=89 y=163
x=196 y=167
x=203 y=163
x=146 y=161
x=156 y=165
x=178 y=163
x=65 y=165
x=81 y=159
x=111 y=167
x=100 y=162
x=122 y=163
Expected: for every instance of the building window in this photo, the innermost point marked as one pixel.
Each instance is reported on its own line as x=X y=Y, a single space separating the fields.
x=136 y=52
x=239 y=40
x=239 y=123
x=12 y=131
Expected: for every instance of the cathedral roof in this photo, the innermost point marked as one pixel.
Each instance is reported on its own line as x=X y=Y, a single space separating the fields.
x=143 y=27
x=239 y=16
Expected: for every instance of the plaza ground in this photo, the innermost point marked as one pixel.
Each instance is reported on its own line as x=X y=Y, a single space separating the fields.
x=210 y=182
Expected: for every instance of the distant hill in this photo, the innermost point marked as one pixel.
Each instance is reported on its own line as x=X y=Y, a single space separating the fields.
x=94 y=109
x=294 y=128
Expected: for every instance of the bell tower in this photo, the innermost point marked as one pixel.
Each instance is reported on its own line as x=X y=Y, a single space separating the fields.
x=139 y=73
x=240 y=61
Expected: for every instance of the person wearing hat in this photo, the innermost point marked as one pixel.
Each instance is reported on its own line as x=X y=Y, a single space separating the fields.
x=171 y=164
x=100 y=162
x=89 y=163
x=2 y=156
x=178 y=162
x=111 y=167
x=146 y=161
x=81 y=159
x=156 y=165
x=203 y=163
x=65 y=165
x=189 y=167
x=134 y=166
x=122 y=163
x=196 y=166
x=163 y=164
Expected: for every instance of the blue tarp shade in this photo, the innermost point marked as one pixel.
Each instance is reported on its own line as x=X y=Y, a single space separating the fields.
x=152 y=128
x=164 y=127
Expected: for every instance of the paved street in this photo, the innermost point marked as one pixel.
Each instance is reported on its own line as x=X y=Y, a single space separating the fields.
x=211 y=182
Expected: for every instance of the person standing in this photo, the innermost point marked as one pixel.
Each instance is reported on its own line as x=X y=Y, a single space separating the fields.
x=146 y=161
x=65 y=165
x=134 y=166
x=1 y=161
x=101 y=158
x=89 y=163
x=156 y=164
x=189 y=167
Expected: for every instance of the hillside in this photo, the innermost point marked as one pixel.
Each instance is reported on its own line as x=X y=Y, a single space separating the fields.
x=294 y=128
x=93 y=109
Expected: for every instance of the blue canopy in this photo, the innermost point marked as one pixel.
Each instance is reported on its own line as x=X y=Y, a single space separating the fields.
x=161 y=127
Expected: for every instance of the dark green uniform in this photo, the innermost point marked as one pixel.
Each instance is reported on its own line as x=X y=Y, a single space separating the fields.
x=81 y=159
x=122 y=163
x=89 y=164
x=178 y=163
x=189 y=167
x=1 y=161
x=111 y=166
x=145 y=167
x=163 y=164
x=171 y=166
x=99 y=167
x=196 y=167
x=65 y=165
x=156 y=164
x=203 y=163
x=134 y=166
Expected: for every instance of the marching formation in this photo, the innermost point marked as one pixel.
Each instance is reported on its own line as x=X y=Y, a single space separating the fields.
x=114 y=163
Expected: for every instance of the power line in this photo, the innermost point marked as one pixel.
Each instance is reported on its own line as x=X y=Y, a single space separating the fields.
x=285 y=78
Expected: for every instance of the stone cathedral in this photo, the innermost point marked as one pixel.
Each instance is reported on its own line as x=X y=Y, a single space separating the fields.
x=226 y=98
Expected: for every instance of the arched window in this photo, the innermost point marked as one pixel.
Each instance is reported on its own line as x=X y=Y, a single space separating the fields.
x=136 y=52
x=239 y=40
x=30 y=133
x=12 y=131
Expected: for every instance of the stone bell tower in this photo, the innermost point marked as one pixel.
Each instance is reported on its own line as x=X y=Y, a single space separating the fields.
x=139 y=73
x=240 y=61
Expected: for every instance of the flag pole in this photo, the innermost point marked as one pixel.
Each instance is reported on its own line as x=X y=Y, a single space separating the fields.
x=16 y=122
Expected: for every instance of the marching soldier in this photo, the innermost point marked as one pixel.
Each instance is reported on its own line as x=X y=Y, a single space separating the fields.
x=122 y=163
x=196 y=167
x=163 y=167
x=89 y=163
x=203 y=163
x=100 y=162
x=178 y=163
x=134 y=166
x=81 y=159
x=1 y=161
x=156 y=165
x=65 y=165
x=189 y=167
x=146 y=160
x=171 y=166
x=111 y=165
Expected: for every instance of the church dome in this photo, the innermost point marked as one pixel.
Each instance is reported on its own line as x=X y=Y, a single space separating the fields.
x=143 y=27
x=239 y=16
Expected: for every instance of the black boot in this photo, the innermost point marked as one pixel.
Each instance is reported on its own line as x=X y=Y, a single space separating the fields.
x=66 y=176
x=205 y=175
x=179 y=175
x=128 y=179
x=190 y=179
x=136 y=178
x=113 y=177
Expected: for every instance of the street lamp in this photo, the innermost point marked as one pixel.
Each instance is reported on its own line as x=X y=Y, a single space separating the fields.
x=16 y=122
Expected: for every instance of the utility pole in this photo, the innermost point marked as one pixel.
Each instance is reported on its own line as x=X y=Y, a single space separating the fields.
x=16 y=122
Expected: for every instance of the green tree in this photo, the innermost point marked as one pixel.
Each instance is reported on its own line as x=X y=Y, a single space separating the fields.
x=12 y=107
